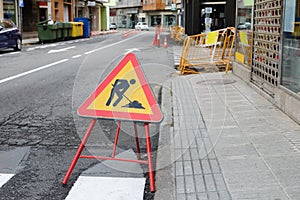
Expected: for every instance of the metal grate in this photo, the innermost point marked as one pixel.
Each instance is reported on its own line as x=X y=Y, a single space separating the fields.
x=267 y=24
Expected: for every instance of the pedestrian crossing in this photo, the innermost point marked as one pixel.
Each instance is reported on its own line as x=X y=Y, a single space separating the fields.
x=117 y=188
x=4 y=178
x=104 y=180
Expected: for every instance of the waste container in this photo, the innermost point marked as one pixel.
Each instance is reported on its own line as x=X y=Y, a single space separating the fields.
x=67 y=30
x=59 y=30
x=46 y=32
x=77 y=29
x=86 y=25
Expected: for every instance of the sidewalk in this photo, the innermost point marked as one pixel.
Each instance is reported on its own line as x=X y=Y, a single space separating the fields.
x=221 y=140
x=32 y=37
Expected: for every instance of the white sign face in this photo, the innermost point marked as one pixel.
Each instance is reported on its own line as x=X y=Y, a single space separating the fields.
x=91 y=3
x=208 y=10
x=208 y=20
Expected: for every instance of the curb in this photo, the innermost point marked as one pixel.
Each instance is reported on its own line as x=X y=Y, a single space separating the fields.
x=164 y=174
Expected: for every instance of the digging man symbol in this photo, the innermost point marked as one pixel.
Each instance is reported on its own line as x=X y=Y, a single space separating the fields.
x=120 y=86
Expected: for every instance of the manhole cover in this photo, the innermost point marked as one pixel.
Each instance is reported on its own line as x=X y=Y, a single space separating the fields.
x=216 y=82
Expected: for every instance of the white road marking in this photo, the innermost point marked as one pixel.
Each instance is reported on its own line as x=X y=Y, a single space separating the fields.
x=61 y=50
x=61 y=61
x=4 y=178
x=95 y=188
x=110 y=45
x=77 y=56
x=130 y=50
x=16 y=52
x=32 y=71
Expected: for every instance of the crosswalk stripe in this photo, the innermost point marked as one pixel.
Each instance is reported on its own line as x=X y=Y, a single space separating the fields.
x=95 y=188
x=4 y=178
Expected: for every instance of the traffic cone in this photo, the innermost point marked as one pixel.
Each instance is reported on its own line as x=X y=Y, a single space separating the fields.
x=165 y=42
x=155 y=41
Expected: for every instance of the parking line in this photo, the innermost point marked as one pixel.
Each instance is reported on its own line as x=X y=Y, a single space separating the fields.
x=32 y=71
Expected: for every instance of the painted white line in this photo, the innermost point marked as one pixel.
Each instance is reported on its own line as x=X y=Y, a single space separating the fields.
x=131 y=50
x=95 y=188
x=113 y=44
x=16 y=52
x=32 y=71
x=4 y=178
x=77 y=56
x=61 y=50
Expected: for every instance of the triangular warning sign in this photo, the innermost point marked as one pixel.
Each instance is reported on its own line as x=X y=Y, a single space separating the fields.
x=124 y=94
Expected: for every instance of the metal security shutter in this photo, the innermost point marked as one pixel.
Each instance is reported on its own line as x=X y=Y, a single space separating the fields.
x=267 y=24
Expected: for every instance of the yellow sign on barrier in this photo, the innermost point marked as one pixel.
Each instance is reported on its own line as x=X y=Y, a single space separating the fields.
x=244 y=37
x=212 y=38
x=239 y=57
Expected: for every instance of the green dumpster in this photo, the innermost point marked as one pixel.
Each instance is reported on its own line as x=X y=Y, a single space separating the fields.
x=47 y=32
x=67 y=30
x=59 y=30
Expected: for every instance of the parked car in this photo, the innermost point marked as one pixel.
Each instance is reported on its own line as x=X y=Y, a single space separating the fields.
x=112 y=26
x=10 y=36
x=142 y=26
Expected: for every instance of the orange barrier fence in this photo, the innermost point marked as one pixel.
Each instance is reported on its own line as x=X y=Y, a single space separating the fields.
x=177 y=33
x=200 y=50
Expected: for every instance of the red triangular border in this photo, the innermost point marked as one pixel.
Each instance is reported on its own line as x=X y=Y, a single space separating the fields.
x=156 y=115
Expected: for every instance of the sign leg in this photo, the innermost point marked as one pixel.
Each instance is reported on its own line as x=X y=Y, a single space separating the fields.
x=79 y=150
x=137 y=141
x=149 y=155
x=116 y=140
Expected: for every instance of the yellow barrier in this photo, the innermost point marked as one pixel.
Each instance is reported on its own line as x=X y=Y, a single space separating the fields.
x=208 y=48
x=177 y=33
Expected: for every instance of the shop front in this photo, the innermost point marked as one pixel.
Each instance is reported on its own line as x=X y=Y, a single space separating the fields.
x=290 y=73
x=127 y=17
x=9 y=10
x=267 y=53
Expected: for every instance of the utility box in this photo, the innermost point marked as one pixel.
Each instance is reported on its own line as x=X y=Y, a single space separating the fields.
x=86 y=25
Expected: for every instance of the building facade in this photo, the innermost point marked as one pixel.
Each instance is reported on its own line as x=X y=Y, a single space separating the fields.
x=268 y=50
x=126 y=13
x=28 y=13
x=162 y=12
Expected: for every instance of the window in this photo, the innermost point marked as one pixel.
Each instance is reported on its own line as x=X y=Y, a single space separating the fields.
x=290 y=73
x=244 y=32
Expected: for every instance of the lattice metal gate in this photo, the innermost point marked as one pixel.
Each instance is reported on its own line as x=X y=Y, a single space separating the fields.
x=266 y=42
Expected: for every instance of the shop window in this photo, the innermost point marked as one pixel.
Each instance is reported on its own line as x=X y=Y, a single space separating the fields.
x=244 y=21
x=290 y=73
x=9 y=11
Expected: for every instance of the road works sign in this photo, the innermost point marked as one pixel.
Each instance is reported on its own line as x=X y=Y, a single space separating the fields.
x=124 y=94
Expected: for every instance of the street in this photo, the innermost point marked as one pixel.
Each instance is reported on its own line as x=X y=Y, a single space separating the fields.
x=41 y=89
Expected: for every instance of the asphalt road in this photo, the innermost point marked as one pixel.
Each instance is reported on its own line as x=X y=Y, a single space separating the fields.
x=41 y=88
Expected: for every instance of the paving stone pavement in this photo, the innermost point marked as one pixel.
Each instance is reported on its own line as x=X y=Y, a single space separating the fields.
x=221 y=140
